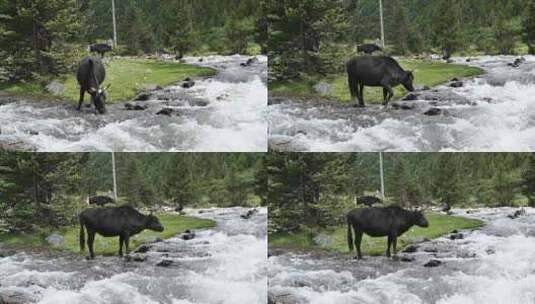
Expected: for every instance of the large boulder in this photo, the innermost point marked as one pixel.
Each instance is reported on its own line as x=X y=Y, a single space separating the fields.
x=55 y=87
x=433 y=263
x=55 y=240
x=323 y=88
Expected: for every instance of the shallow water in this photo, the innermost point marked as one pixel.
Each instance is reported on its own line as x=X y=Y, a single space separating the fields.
x=223 y=265
x=493 y=112
x=223 y=113
x=493 y=265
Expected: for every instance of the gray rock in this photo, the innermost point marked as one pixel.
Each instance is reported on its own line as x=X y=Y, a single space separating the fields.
x=142 y=249
x=457 y=84
x=143 y=96
x=322 y=240
x=433 y=112
x=456 y=236
x=164 y=263
x=55 y=87
x=410 y=249
x=14 y=297
x=55 y=240
x=433 y=263
x=323 y=88
x=410 y=96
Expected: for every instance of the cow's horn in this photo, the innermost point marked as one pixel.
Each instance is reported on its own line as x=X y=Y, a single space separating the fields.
x=92 y=89
x=107 y=87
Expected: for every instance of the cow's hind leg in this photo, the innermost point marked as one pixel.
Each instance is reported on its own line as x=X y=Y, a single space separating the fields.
x=81 y=100
x=90 y=242
x=361 y=95
x=394 y=245
x=358 y=241
x=127 y=244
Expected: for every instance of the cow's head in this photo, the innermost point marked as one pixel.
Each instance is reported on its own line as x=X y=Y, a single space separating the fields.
x=408 y=80
x=153 y=223
x=98 y=97
x=419 y=219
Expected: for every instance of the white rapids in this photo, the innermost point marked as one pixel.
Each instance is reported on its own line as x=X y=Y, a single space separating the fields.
x=224 y=265
x=493 y=112
x=493 y=265
x=225 y=113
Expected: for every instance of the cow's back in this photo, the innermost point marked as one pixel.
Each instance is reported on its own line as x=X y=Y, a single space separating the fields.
x=109 y=221
x=373 y=221
x=86 y=77
x=371 y=70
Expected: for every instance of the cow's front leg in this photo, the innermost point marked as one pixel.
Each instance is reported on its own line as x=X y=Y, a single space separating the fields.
x=126 y=243
x=121 y=241
x=394 y=244
x=81 y=100
x=90 y=242
x=389 y=242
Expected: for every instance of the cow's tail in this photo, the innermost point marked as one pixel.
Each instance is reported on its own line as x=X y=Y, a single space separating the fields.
x=349 y=235
x=352 y=79
x=82 y=234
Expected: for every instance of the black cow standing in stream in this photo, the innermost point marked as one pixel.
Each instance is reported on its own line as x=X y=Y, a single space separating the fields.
x=376 y=71
x=391 y=222
x=91 y=73
x=124 y=221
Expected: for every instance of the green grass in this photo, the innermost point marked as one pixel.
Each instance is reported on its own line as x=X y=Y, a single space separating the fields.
x=174 y=224
x=126 y=76
x=439 y=225
x=429 y=73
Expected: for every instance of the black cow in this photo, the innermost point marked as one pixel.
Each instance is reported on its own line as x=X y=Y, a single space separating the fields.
x=390 y=221
x=368 y=48
x=368 y=200
x=124 y=221
x=100 y=48
x=91 y=73
x=100 y=200
x=376 y=71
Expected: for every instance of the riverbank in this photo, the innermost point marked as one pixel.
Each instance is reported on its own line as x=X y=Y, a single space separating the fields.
x=174 y=224
x=127 y=77
x=335 y=239
x=427 y=73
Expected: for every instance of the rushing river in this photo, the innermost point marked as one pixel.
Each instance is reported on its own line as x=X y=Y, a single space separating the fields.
x=224 y=265
x=493 y=265
x=222 y=113
x=493 y=112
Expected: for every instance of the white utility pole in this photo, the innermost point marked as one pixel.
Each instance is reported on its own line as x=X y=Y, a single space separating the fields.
x=114 y=176
x=114 y=24
x=382 y=23
x=382 y=176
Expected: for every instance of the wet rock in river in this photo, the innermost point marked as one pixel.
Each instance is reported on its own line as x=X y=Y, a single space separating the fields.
x=165 y=111
x=188 y=235
x=434 y=112
x=249 y=62
x=407 y=259
x=457 y=84
x=143 y=96
x=164 y=263
x=188 y=83
x=33 y=132
x=402 y=106
x=517 y=214
x=249 y=214
x=490 y=251
x=433 y=263
x=420 y=239
x=410 y=249
x=410 y=96
x=135 y=107
x=142 y=249
x=456 y=236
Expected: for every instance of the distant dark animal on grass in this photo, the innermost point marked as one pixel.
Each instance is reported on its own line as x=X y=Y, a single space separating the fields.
x=90 y=75
x=100 y=200
x=376 y=222
x=368 y=48
x=368 y=200
x=376 y=71
x=124 y=222
x=100 y=48
x=445 y=208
